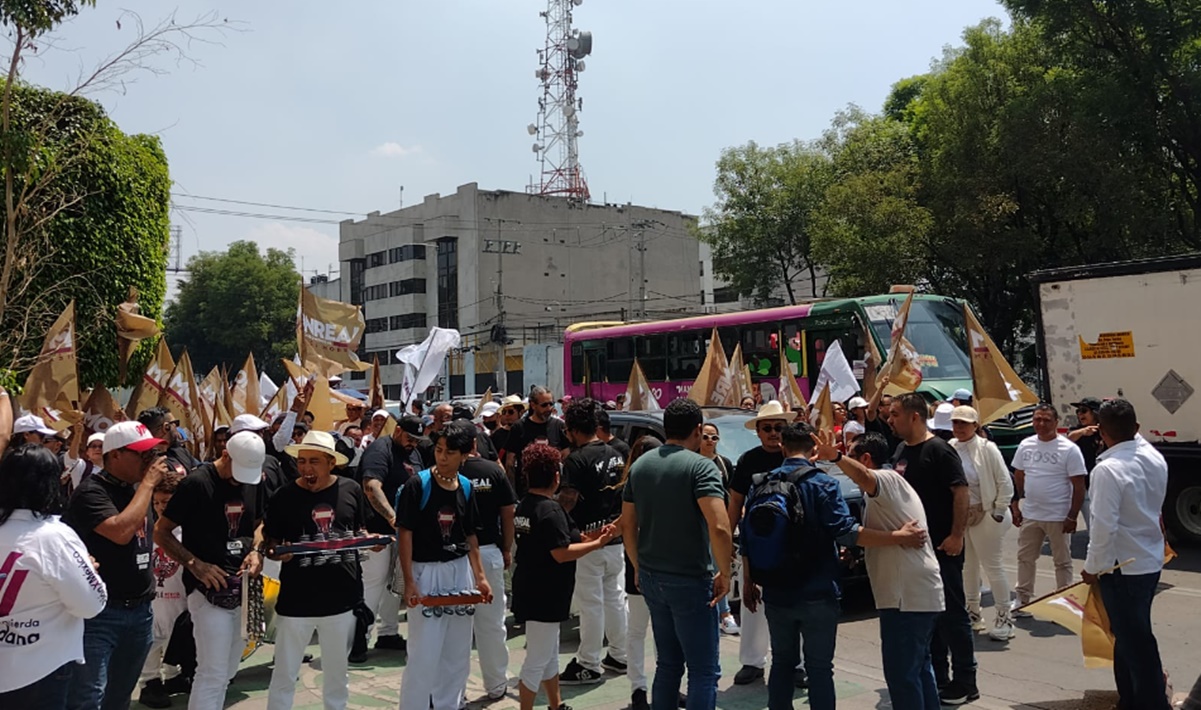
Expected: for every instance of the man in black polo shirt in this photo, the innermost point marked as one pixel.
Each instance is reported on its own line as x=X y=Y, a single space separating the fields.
x=495 y=502
x=219 y=507
x=935 y=471
x=540 y=427
x=386 y=465
x=589 y=493
x=110 y=512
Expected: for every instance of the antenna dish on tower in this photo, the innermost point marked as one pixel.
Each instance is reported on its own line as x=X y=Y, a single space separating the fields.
x=532 y=129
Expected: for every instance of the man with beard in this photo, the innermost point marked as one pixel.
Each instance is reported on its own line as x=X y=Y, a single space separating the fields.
x=540 y=427
x=386 y=465
x=163 y=425
x=320 y=597
x=219 y=508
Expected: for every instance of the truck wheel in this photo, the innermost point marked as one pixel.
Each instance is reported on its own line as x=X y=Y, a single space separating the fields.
x=1182 y=512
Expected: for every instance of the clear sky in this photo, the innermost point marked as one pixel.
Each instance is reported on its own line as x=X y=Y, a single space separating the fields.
x=335 y=106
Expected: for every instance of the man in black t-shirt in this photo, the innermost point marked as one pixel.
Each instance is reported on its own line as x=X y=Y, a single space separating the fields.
x=548 y=545
x=589 y=493
x=385 y=466
x=605 y=434
x=935 y=471
x=163 y=425
x=511 y=410
x=112 y=517
x=219 y=507
x=754 y=639
x=495 y=501
x=315 y=594
x=437 y=519
x=540 y=427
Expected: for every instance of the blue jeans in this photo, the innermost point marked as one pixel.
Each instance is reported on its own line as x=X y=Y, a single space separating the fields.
x=905 y=645
x=49 y=693
x=115 y=645
x=817 y=621
x=1137 y=670
x=686 y=634
x=723 y=606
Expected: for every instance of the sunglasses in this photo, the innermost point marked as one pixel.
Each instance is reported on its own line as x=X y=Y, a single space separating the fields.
x=710 y=437
x=545 y=405
x=777 y=428
x=509 y=411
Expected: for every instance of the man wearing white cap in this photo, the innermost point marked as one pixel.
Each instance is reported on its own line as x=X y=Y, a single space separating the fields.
x=274 y=476
x=32 y=430
x=219 y=507
x=315 y=596
x=110 y=512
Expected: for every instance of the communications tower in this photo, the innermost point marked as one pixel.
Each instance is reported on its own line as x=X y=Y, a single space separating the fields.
x=558 y=126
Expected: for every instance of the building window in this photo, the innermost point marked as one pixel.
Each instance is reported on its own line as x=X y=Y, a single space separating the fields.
x=405 y=287
x=375 y=259
x=725 y=294
x=408 y=320
x=377 y=325
x=356 y=281
x=702 y=269
x=448 y=283
x=407 y=252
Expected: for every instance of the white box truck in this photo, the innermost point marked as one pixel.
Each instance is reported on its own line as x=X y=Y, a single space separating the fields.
x=1130 y=330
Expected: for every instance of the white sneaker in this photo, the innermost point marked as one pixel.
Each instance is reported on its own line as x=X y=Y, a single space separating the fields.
x=728 y=626
x=977 y=621
x=1003 y=629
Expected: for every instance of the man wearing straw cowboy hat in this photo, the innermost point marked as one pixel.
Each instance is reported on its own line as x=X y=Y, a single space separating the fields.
x=768 y=456
x=319 y=597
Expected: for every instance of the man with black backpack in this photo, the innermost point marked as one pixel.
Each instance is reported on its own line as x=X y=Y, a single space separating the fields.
x=795 y=518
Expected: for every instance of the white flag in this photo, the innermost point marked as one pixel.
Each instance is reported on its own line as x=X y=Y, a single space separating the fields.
x=267 y=389
x=837 y=371
x=422 y=362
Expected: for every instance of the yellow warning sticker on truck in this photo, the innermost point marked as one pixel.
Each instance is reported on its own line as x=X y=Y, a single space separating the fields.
x=1108 y=345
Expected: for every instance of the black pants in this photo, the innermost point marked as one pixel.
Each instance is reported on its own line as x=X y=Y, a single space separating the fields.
x=1193 y=701
x=1137 y=670
x=953 y=630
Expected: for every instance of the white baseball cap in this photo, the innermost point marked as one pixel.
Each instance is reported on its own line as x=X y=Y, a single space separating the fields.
x=490 y=409
x=97 y=438
x=129 y=435
x=31 y=423
x=247 y=422
x=247 y=453
x=856 y=403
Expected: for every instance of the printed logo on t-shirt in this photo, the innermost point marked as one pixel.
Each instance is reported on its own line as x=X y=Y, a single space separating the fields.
x=446 y=520
x=323 y=516
x=10 y=583
x=521 y=524
x=481 y=485
x=900 y=466
x=233 y=516
x=164 y=567
x=1036 y=456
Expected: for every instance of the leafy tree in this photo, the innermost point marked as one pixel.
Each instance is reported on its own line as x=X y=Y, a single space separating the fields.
x=236 y=302
x=761 y=227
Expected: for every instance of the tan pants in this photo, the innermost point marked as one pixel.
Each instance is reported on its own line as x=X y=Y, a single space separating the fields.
x=1030 y=546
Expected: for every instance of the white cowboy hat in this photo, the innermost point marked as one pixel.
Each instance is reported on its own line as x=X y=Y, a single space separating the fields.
x=771 y=410
x=318 y=441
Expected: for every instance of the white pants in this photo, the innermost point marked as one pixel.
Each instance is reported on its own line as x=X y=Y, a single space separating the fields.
x=166 y=612
x=439 y=647
x=754 y=641
x=600 y=594
x=639 y=622
x=982 y=548
x=541 y=654
x=489 y=624
x=292 y=635
x=219 y=646
x=384 y=604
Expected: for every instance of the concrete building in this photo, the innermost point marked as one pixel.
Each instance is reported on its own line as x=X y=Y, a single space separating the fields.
x=477 y=259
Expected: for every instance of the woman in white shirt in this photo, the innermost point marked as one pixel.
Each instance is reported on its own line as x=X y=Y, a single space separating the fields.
x=990 y=490
x=47 y=584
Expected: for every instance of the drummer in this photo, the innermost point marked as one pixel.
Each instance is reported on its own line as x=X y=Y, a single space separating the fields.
x=219 y=508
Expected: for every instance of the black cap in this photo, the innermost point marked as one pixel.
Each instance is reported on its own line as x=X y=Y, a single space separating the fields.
x=462 y=411
x=1088 y=403
x=411 y=425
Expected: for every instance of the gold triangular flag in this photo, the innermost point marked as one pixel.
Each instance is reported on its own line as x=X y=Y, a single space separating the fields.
x=790 y=391
x=328 y=334
x=479 y=408
x=245 y=391
x=148 y=390
x=100 y=410
x=132 y=327
x=996 y=388
x=904 y=364
x=740 y=377
x=56 y=370
x=714 y=386
x=639 y=395
x=822 y=416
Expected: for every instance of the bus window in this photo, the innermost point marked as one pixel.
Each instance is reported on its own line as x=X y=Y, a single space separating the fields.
x=592 y=351
x=936 y=330
x=729 y=338
x=577 y=363
x=652 y=357
x=685 y=355
x=619 y=360
x=757 y=350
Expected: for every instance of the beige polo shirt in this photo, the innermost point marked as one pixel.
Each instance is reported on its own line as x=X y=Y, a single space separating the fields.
x=902 y=578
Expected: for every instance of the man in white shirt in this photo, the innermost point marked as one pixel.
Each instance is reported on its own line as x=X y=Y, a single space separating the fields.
x=1049 y=478
x=1129 y=483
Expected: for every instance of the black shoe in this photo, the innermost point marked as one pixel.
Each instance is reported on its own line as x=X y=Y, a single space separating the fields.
x=357 y=656
x=683 y=701
x=638 y=700
x=575 y=674
x=563 y=706
x=958 y=693
x=612 y=664
x=392 y=642
x=179 y=685
x=154 y=695
x=747 y=675
x=799 y=679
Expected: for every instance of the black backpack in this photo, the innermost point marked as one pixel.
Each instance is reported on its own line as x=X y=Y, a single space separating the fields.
x=773 y=530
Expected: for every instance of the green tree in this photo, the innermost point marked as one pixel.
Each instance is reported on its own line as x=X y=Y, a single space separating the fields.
x=761 y=225
x=235 y=302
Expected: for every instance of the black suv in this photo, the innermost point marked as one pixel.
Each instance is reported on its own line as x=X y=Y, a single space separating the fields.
x=736 y=439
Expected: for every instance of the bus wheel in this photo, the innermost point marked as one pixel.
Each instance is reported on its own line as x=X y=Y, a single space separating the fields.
x=1182 y=512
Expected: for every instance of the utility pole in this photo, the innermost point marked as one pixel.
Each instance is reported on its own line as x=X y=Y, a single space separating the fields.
x=642 y=226
x=499 y=335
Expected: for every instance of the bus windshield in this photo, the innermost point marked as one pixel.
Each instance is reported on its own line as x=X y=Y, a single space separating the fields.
x=936 y=329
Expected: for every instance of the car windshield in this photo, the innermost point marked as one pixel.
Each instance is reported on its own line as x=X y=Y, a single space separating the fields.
x=936 y=329
x=736 y=439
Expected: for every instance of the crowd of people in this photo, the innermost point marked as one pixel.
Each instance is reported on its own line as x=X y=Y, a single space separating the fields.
x=531 y=506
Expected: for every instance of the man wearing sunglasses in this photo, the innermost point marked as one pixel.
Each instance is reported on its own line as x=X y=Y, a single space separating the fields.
x=754 y=641
x=540 y=427
x=163 y=425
